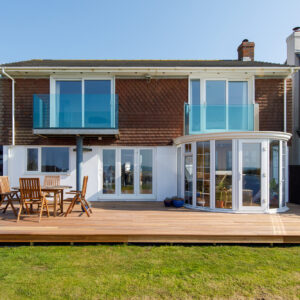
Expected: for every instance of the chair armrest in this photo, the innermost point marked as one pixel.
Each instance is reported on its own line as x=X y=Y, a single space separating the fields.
x=74 y=192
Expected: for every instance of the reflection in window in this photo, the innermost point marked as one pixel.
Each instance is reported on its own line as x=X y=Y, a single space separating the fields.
x=251 y=174
x=283 y=171
x=55 y=159
x=109 y=170
x=188 y=179
x=97 y=102
x=215 y=101
x=203 y=174
x=68 y=104
x=146 y=171
x=274 y=175
x=127 y=171
x=223 y=174
x=238 y=110
x=32 y=159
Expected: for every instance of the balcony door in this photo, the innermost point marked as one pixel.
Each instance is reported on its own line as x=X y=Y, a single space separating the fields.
x=253 y=164
x=82 y=103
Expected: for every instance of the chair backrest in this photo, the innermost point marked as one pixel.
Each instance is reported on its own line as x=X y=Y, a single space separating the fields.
x=84 y=186
x=52 y=180
x=4 y=184
x=30 y=188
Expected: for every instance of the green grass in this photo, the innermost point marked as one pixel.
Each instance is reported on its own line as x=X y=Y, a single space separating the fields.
x=150 y=272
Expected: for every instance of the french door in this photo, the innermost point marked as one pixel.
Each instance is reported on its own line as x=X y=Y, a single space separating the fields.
x=253 y=169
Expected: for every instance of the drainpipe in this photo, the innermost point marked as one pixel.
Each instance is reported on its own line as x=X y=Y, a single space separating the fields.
x=12 y=106
x=284 y=105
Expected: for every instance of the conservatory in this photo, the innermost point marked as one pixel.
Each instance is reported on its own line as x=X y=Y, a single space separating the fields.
x=245 y=172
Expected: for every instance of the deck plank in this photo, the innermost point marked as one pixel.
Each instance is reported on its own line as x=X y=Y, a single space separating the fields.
x=151 y=222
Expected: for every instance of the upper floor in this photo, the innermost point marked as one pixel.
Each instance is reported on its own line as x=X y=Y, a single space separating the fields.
x=141 y=102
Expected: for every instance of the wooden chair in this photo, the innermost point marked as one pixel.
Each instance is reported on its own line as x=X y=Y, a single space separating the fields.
x=31 y=193
x=6 y=195
x=52 y=181
x=79 y=197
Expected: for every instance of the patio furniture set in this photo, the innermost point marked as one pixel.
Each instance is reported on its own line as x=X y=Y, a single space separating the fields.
x=36 y=199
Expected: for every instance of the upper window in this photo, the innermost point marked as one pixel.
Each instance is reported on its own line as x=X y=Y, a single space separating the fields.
x=82 y=103
x=195 y=91
x=215 y=92
x=48 y=159
x=237 y=92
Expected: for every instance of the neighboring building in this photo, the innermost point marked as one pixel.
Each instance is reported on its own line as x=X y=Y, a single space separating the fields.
x=213 y=132
x=293 y=58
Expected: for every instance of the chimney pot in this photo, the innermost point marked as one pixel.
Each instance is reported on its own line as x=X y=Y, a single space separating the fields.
x=296 y=29
x=246 y=51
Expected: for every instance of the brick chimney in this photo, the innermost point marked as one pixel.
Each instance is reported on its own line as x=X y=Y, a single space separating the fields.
x=246 y=51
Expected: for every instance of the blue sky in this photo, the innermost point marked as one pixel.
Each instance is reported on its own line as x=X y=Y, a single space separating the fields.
x=144 y=29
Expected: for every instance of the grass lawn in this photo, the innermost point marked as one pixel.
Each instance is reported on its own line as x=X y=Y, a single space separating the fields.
x=150 y=272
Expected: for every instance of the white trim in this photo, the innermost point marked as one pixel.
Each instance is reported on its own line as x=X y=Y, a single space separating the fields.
x=233 y=135
x=39 y=171
x=118 y=195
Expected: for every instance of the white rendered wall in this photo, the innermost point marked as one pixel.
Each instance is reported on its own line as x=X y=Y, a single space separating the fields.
x=164 y=170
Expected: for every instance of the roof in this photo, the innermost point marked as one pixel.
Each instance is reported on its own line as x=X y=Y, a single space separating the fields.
x=139 y=63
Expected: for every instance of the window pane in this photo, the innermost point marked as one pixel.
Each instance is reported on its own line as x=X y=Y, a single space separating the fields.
x=223 y=174
x=283 y=172
x=188 y=180
x=238 y=111
x=68 y=104
x=195 y=91
x=127 y=176
x=97 y=103
x=32 y=159
x=215 y=101
x=146 y=171
x=55 y=159
x=109 y=169
x=203 y=174
x=251 y=174
x=179 y=172
x=237 y=92
x=274 y=174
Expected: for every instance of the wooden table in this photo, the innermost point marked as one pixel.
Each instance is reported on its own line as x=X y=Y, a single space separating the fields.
x=56 y=190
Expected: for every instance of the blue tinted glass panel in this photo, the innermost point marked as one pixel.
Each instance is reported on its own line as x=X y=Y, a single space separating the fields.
x=195 y=92
x=68 y=104
x=55 y=159
x=237 y=92
x=98 y=103
x=32 y=159
x=215 y=92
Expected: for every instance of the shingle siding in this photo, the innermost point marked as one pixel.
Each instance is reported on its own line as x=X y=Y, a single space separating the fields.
x=269 y=94
x=150 y=112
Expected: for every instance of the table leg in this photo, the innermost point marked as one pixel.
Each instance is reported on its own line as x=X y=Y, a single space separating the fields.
x=55 y=204
x=62 y=201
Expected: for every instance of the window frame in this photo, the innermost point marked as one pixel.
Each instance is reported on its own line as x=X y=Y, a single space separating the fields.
x=212 y=77
x=82 y=78
x=39 y=171
x=118 y=195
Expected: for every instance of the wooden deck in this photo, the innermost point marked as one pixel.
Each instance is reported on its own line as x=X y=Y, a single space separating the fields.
x=151 y=222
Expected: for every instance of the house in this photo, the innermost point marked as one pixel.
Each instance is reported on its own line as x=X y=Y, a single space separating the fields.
x=213 y=132
x=293 y=58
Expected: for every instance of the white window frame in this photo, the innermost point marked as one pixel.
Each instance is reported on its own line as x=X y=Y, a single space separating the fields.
x=82 y=78
x=39 y=171
x=264 y=175
x=136 y=195
x=251 y=98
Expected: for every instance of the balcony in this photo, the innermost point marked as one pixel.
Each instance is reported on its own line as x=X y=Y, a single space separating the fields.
x=219 y=118
x=95 y=114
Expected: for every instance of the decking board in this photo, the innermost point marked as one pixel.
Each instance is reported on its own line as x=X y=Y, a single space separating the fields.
x=150 y=222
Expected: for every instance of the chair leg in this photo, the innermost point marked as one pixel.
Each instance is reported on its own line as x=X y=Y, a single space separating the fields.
x=87 y=205
x=41 y=211
x=20 y=211
x=47 y=208
x=70 y=208
x=83 y=205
